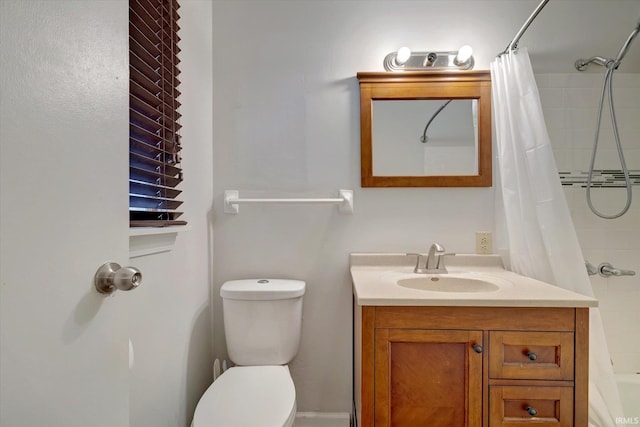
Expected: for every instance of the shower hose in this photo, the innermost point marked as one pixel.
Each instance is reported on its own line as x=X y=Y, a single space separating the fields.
x=607 y=86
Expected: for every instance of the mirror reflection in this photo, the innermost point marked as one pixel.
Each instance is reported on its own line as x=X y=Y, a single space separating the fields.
x=425 y=137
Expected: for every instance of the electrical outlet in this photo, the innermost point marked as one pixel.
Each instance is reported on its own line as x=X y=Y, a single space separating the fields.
x=484 y=242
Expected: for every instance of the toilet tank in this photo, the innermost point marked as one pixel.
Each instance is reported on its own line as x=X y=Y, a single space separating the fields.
x=262 y=320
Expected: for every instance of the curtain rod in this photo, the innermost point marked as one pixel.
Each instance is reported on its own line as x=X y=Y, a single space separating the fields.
x=514 y=43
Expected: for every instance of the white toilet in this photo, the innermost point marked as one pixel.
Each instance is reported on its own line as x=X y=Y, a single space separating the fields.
x=262 y=324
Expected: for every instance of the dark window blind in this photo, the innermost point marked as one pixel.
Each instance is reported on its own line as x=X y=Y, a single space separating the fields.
x=154 y=139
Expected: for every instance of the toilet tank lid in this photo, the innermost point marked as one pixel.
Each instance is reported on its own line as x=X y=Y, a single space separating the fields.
x=262 y=289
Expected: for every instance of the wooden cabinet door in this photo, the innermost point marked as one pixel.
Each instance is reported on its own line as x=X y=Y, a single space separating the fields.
x=428 y=378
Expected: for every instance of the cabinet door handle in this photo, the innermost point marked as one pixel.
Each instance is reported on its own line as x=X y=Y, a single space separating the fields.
x=477 y=348
x=532 y=356
x=532 y=411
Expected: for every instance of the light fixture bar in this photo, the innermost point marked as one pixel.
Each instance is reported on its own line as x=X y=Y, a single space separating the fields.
x=429 y=60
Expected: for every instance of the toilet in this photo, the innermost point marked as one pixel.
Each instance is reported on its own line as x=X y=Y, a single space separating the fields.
x=263 y=325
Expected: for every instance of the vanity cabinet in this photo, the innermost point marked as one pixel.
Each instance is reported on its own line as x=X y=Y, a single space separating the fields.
x=470 y=366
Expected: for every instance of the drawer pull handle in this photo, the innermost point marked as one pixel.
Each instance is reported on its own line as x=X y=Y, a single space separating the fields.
x=477 y=348
x=531 y=411
x=532 y=356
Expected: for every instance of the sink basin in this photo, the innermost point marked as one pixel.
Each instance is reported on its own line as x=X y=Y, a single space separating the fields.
x=442 y=283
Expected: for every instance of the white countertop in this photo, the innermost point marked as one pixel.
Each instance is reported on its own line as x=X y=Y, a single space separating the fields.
x=374 y=279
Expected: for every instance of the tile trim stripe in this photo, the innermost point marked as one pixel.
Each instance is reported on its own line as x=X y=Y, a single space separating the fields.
x=602 y=178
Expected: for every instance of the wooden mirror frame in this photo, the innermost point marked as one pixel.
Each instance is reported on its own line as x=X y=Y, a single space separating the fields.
x=421 y=85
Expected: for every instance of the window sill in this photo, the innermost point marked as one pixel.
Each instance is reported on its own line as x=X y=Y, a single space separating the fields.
x=145 y=241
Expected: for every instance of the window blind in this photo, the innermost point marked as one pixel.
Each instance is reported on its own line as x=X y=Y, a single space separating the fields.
x=154 y=139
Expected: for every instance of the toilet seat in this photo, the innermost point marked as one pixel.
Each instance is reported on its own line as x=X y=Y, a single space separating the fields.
x=248 y=396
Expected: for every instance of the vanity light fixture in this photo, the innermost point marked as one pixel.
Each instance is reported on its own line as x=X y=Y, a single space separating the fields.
x=464 y=56
x=402 y=55
x=406 y=60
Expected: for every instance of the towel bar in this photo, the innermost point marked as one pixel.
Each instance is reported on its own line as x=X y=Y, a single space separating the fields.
x=232 y=200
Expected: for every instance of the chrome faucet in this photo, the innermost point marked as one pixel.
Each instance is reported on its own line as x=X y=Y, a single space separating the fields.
x=433 y=259
x=434 y=264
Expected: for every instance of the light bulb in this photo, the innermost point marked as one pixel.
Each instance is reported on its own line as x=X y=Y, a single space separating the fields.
x=403 y=55
x=463 y=56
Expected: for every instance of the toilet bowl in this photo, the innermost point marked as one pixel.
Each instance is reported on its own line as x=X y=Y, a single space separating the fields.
x=262 y=323
x=249 y=396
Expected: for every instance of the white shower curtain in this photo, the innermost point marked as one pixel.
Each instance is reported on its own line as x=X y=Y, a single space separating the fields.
x=534 y=216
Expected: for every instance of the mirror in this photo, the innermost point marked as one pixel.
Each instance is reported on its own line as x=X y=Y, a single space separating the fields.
x=425 y=137
x=425 y=129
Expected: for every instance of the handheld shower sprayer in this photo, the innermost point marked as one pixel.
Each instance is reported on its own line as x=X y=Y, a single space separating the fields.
x=607 y=88
x=625 y=46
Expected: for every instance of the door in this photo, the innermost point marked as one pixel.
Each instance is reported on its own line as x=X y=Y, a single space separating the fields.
x=428 y=378
x=63 y=212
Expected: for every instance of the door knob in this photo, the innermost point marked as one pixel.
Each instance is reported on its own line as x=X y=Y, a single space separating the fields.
x=111 y=277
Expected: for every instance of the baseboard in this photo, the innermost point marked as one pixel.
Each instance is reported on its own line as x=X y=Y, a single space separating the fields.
x=322 y=419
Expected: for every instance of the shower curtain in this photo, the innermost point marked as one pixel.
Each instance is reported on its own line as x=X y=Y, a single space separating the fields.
x=533 y=215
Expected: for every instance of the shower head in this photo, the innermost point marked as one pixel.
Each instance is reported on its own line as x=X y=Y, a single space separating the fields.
x=610 y=63
x=625 y=46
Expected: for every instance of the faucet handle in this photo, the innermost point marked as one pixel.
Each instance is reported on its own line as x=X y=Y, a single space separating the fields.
x=607 y=270
x=417 y=268
x=440 y=264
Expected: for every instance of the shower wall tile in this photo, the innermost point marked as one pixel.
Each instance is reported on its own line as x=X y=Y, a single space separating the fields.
x=564 y=158
x=587 y=80
x=556 y=118
x=632 y=156
x=582 y=97
x=607 y=158
x=552 y=97
x=623 y=239
x=627 y=118
x=591 y=238
x=560 y=137
x=627 y=97
x=622 y=81
x=580 y=138
x=570 y=104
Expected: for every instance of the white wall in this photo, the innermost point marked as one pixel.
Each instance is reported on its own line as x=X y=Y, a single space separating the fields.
x=570 y=104
x=170 y=313
x=286 y=123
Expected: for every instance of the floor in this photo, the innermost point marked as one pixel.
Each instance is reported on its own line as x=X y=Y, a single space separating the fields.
x=316 y=419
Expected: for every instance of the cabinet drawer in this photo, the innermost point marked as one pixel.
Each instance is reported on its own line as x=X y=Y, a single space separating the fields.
x=522 y=406
x=531 y=355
